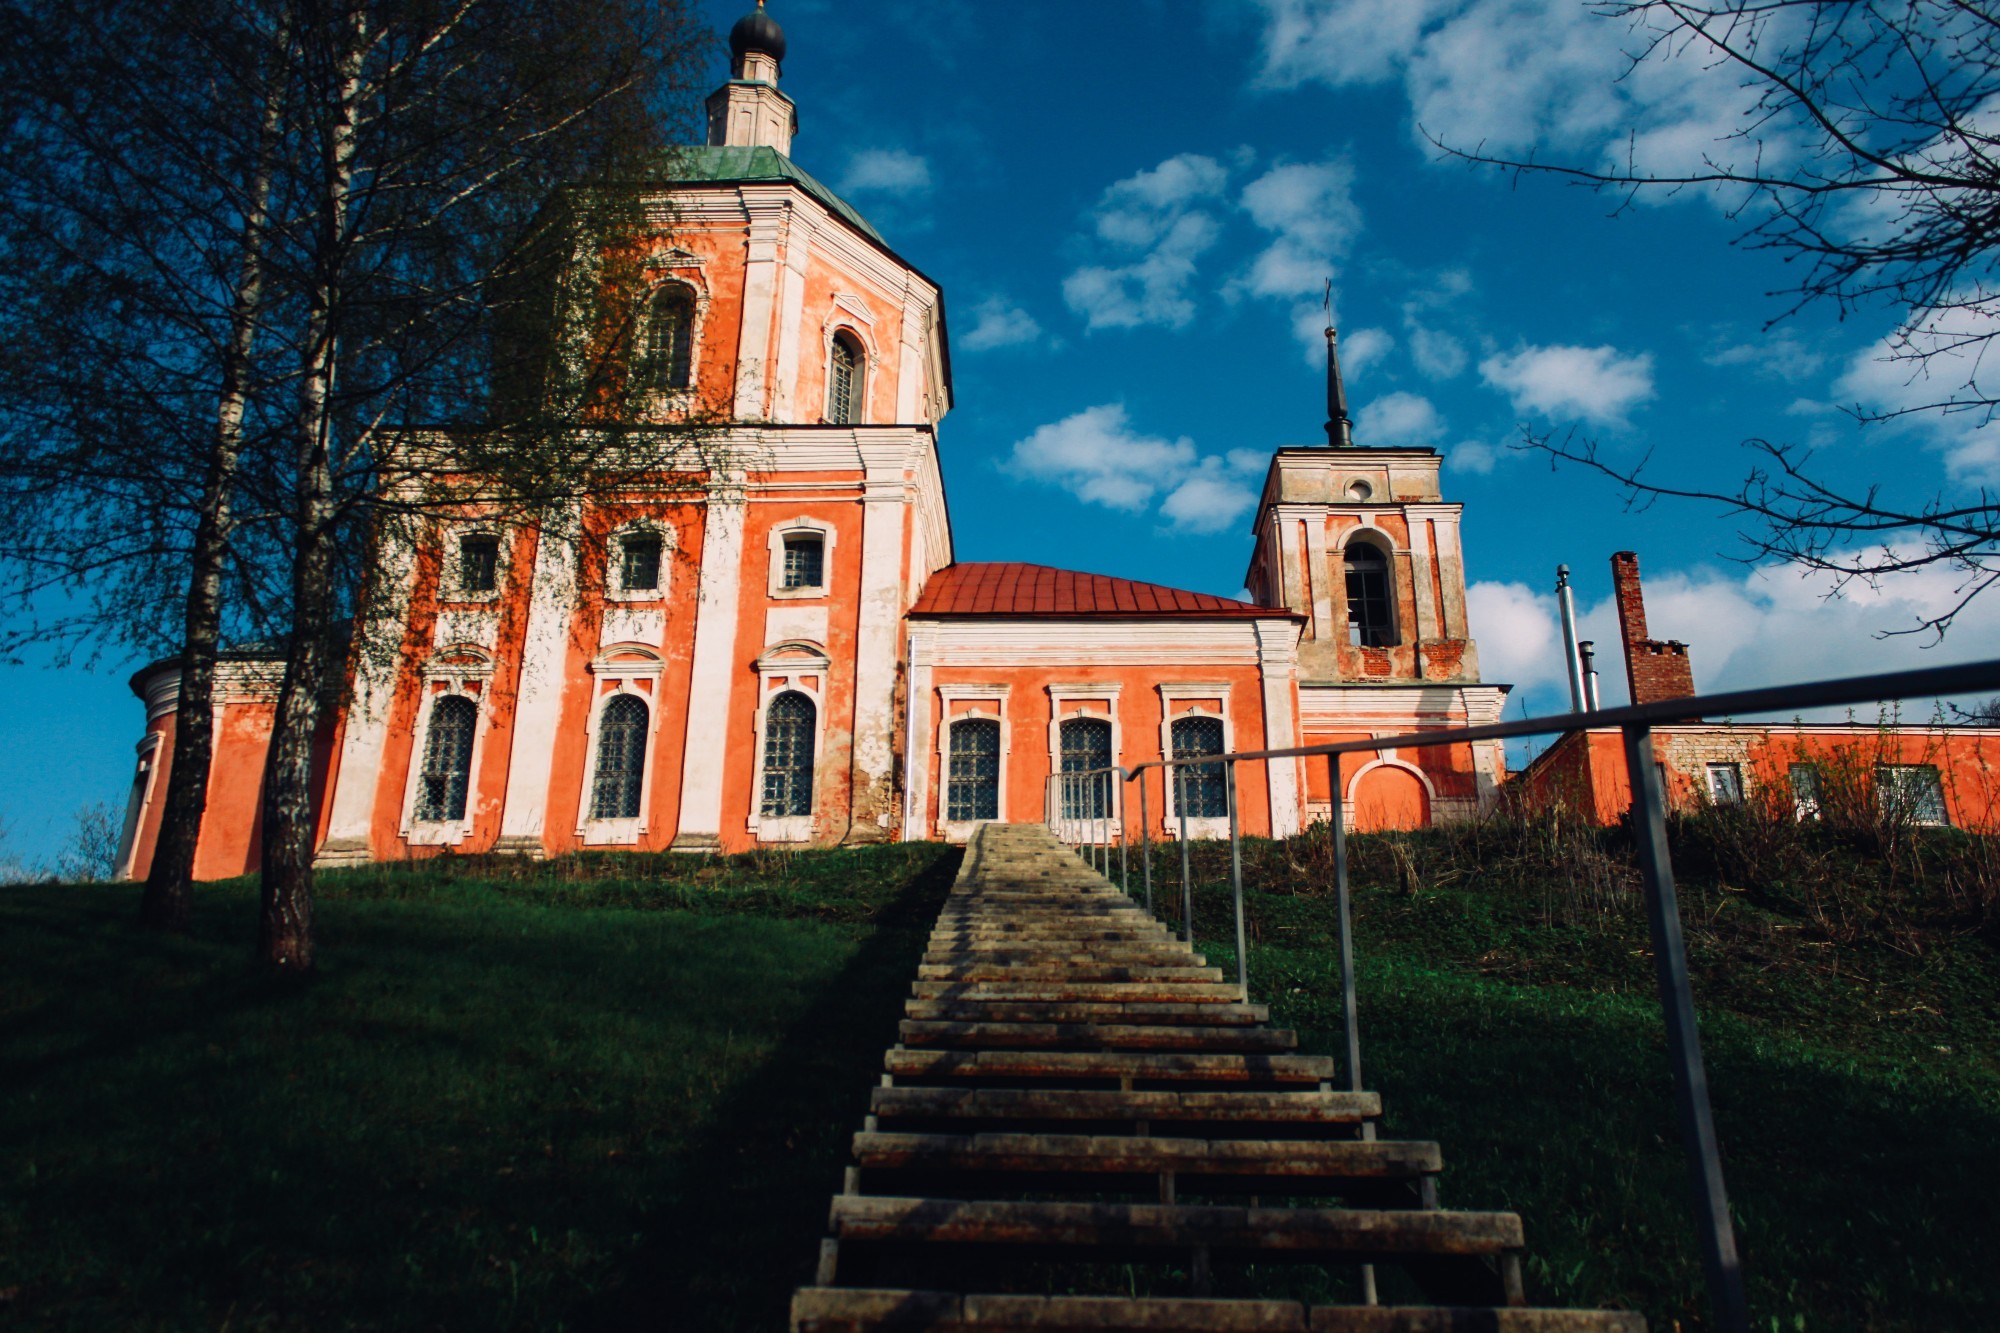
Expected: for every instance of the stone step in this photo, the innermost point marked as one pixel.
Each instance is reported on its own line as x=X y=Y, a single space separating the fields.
x=1057 y=992
x=859 y=1309
x=1096 y=1036
x=1352 y=1159
x=1056 y=1104
x=1013 y=1011
x=1183 y=1067
x=1065 y=972
x=1068 y=955
x=1360 y=1233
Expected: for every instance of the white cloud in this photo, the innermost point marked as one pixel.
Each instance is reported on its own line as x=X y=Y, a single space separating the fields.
x=1399 y=418
x=1098 y=457
x=890 y=171
x=1161 y=214
x=1781 y=356
x=1361 y=349
x=1927 y=379
x=1438 y=354
x=1310 y=208
x=1210 y=500
x=998 y=322
x=1594 y=384
x=1505 y=76
x=1470 y=456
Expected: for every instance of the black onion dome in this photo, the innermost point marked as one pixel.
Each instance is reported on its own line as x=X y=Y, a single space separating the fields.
x=757 y=31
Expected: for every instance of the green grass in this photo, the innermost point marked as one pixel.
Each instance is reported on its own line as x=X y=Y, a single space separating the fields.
x=616 y=1092
x=490 y=1109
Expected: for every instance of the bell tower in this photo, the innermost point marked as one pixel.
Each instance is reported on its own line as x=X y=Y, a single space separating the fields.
x=1362 y=543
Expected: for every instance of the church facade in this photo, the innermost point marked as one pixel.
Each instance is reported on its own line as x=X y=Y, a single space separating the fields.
x=783 y=647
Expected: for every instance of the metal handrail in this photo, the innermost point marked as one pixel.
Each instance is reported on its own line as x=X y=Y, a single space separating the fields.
x=1720 y=1262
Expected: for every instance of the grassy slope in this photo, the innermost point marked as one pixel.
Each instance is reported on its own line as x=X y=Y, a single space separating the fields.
x=497 y=1110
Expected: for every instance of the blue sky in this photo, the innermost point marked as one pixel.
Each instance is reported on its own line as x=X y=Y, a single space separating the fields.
x=1133 y=211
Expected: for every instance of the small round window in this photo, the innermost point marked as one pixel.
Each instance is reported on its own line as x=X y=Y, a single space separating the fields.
x=1359 y=491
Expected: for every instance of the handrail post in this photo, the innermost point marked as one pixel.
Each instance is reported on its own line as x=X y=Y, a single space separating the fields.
x=1236 y=882
x=1124 y=835
x=1146 y=844
x=1337 y=818
x=1187 y=885
x=1704 y=1161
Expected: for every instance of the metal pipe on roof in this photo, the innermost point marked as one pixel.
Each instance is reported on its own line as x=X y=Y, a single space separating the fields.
x=1570 y=658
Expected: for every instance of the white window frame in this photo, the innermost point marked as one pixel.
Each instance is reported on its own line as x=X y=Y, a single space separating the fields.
x=1709 y=771
x=1177 y=692
x=1886 y=770
x=614 y=561
x=442 y=677
x=977 y=695
x=781 y=670
x=145 y=776
x=803 y=525
x=1072 y=696
x=643 y=664
x=682 y=269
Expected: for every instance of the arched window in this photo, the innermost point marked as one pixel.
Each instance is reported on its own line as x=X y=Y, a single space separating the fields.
x=973 y=777
x=1371 y=615
x=665 y=352
x=788 y=755
x=805 y=560
x=639 y=561
x=1198 y=788
x=447 y=759
x=843 y=381
x=478 y=562
x=621 y=758
x=1086 y=748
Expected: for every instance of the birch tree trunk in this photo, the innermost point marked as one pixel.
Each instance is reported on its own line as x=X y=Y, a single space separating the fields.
x=169 y=898
x=285 y=936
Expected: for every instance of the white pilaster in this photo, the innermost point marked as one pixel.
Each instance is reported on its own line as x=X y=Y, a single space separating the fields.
x=377 y=665
x=1324 y=578
x=1278 y=669
x=796 y=249
x=767 y=208
x=539 y=691
x=713 y=667
x=917 y=749
x=910 y=360
x=885 y=512
x=1422 y=544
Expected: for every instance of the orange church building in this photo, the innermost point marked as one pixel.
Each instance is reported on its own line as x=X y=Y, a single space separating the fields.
x=783 y=648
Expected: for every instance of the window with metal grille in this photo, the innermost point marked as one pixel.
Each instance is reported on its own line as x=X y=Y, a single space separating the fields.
x=447 y=759
x=478 y=562
x=1805 y=790
x=972 y=789
x=639 y=562
x=1086 y=747
x=788 y=755
x=805 y=561
x=1198 y=788
x=664 y=356
x=1910 y=791
x=621 y=758
x=1725 y=784
x=843 y=381
x=1371 y=618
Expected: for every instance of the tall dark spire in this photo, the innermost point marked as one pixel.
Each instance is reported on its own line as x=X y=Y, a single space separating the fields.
x=1339 y=430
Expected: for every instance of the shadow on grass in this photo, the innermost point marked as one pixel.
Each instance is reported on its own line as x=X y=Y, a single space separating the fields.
x=738 y=1226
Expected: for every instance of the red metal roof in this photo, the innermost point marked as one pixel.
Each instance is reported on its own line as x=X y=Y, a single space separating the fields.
x=1010 y=588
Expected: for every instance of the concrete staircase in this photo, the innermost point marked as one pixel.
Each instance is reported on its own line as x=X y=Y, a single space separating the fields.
x=1074 y=1087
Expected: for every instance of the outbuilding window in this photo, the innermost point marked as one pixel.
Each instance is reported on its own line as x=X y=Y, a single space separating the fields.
x=447 y=767
x=1910 y=791
x=621 y=758
x=973 y=779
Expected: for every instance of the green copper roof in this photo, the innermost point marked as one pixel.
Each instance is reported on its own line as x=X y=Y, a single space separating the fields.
x=760 y=163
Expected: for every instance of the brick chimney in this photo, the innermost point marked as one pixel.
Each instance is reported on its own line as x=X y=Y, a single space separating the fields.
x=1654 y=670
